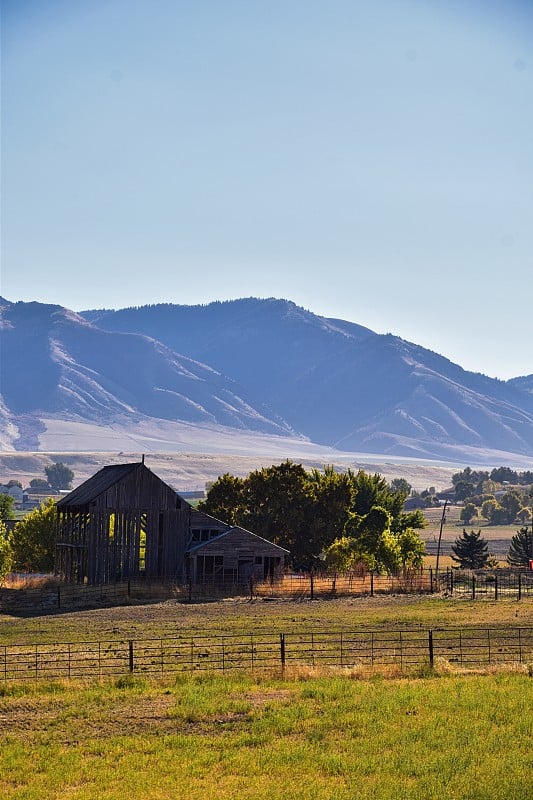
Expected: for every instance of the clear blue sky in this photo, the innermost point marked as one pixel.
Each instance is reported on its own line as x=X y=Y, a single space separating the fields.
x=369 y=160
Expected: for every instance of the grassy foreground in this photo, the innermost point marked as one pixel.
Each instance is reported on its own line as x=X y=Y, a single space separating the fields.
x=330 y=737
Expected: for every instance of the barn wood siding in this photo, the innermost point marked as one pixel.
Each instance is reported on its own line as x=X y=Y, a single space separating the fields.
x=88 y=551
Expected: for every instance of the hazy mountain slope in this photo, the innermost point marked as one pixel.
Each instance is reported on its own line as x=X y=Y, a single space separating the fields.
x=55 y=362
x=339 y=383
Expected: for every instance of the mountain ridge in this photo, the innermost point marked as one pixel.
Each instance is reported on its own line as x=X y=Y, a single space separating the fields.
x=263 y=365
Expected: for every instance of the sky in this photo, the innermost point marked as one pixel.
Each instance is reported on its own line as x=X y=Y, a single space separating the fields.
x=371 y=161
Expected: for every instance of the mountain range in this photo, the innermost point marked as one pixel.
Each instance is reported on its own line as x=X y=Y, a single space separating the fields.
x=264 y=366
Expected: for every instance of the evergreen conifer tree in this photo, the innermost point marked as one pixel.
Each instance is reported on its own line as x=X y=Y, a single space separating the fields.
x=470 y=550
x=521 y=548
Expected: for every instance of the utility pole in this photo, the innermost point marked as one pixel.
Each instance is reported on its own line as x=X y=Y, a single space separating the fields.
x=442 y=521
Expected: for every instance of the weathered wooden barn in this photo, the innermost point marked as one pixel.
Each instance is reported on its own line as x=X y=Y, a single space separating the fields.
x=121 y=523
x=125 y=522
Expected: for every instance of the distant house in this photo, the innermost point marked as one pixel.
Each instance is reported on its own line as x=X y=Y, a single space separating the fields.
x=412 y=503
x=14 y=491
x=125 y=522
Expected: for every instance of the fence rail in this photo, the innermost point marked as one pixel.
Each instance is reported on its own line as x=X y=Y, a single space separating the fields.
x=187 y=653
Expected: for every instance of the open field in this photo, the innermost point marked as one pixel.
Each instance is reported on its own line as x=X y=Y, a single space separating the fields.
x=498 y=536
x=308 y=735
x=165 y=619
x=190 y=470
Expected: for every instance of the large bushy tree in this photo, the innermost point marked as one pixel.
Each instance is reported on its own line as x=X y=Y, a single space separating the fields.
x=470 y=550
x=307 y=511
x=33 y=539
x=6 y=552
x=7 y=507
x=59 y=476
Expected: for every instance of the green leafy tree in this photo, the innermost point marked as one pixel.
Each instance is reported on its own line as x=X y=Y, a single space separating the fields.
x=409 y=519
x=488 y=508
x=39 y=484
x=470 y=550
x=401 y=485
x=280 y=503
x=225 y=499
x=512 y=503
x=464 y=490
x=33 y=539
x=7 y=507
x=307 y=511
x=521 y=548
x=59 y=476
x=6 y=552
x=341 y=555
x=412 y=548
x=504 y=474
x=469 y=475
x=331 y=497
x=524 y=515
x=468 y=512
x=374 y=544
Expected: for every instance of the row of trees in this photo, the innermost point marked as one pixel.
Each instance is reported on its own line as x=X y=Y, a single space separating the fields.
x=500 y=475
x=322 y=516
x=471 y=551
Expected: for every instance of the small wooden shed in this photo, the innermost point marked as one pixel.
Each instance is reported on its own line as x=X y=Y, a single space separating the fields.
x=233 y=556
x=123 y=522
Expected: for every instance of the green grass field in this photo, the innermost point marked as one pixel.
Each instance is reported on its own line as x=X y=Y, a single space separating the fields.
x=335 y=734
x=164 y=619
x=266 y=738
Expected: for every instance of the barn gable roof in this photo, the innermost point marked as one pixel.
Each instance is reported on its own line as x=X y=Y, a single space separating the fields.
x=234 y=529
x=100 y=482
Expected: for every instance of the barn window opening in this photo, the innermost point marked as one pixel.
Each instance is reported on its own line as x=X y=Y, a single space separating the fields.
x=204 y=534
x=142 y=543
x=208 y=568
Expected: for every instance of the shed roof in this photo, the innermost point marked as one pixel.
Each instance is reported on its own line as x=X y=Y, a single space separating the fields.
x=93 y=487
x=234 y=529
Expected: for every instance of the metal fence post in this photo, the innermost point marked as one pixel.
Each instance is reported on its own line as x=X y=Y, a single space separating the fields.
x=282 y=650
x=495 y=587
x=371 y=584
x=473 y=587
x=312 y=585
x=430 y=643
x=519 y=585
x=130 y=651
x=431 y=580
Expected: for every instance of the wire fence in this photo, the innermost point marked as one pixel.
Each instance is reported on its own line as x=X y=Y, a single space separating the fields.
x=483 y=584
x=466 y=647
